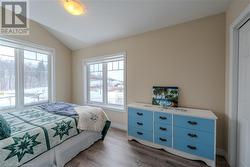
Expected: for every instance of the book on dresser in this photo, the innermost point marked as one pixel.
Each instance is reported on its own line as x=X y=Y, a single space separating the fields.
x=186 y=132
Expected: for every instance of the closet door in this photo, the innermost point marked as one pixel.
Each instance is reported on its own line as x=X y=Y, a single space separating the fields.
x=243 y=125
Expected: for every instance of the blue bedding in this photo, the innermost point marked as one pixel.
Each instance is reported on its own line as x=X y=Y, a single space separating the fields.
x=61 y=108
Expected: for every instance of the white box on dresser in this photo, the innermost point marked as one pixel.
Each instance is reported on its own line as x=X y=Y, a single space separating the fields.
x=190 y=133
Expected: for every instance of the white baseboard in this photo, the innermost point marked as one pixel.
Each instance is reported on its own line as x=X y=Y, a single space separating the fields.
x=119 y=126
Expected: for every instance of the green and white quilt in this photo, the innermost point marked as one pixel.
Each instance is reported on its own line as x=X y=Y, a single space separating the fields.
x=33 y=132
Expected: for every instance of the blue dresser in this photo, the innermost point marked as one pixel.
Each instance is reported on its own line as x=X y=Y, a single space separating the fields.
x=190 y=133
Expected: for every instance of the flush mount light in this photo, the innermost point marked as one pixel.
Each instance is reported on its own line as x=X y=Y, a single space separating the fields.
x=74 y=7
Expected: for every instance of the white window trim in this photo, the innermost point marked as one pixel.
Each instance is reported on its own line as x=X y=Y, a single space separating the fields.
x=25 y=45
x=84 y=69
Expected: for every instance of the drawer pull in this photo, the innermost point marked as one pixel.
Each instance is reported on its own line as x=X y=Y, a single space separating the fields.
x=162 y=139
x=139 y=123
x=192 y=122
x=139 y=113
x=191 y=147
x=139 y=133
x=161 y=128
x=163 y=118
x=192 y=135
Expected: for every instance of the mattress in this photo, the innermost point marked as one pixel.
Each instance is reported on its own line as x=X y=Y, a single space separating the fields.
x=33 y=132
x=43 y=138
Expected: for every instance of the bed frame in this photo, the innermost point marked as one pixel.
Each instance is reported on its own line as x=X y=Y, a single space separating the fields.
x=105 y=129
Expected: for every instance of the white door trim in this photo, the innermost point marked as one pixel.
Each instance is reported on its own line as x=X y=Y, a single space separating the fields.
x=233 y=84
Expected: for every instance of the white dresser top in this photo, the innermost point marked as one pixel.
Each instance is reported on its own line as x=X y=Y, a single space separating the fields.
x=176 y=110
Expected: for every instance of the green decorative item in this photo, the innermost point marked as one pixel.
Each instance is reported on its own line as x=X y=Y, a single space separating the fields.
x=22 y=145
x=5 y=130
x=62 y=128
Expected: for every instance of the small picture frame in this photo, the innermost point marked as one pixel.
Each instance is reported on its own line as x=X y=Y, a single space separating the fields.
x=165 y=96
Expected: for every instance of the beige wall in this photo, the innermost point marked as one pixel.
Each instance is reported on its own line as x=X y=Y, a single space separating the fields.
x=63 y=69
x=190 y=56
x=233 y=11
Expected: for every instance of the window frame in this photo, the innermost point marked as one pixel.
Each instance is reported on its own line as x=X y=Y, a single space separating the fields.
x=86 y=81
x=20 y=46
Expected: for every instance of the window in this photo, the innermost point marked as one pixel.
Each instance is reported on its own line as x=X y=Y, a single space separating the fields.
x=96 y=83
x=7 y=77
x=105 y=82
x=25 y=75
x=35 y=77
x=115 y=79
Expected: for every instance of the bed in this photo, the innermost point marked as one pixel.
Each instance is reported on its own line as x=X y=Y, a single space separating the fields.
x=43 y=139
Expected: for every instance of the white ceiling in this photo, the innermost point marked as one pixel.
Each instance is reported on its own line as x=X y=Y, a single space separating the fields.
x=113 y=19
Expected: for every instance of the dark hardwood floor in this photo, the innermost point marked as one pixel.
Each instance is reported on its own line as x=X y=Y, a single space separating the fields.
x=117 y=151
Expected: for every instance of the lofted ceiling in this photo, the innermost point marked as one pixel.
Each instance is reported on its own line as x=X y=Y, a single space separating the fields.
x=107 y=20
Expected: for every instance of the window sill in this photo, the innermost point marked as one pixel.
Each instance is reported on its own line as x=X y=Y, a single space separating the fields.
x=22 y=108
x=35 y=104
x=108 y=107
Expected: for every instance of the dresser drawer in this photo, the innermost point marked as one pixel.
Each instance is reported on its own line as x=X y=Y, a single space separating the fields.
x=140 y=134
x=194 y=136
x=194 y=123
x=143 y=124
x=163 y=118
x=194 y=148
x=140 y=119
x=163 y=140
x=139 y=114
x=163 y=129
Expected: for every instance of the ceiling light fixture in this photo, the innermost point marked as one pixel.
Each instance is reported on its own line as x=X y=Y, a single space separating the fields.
x=75 y=7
